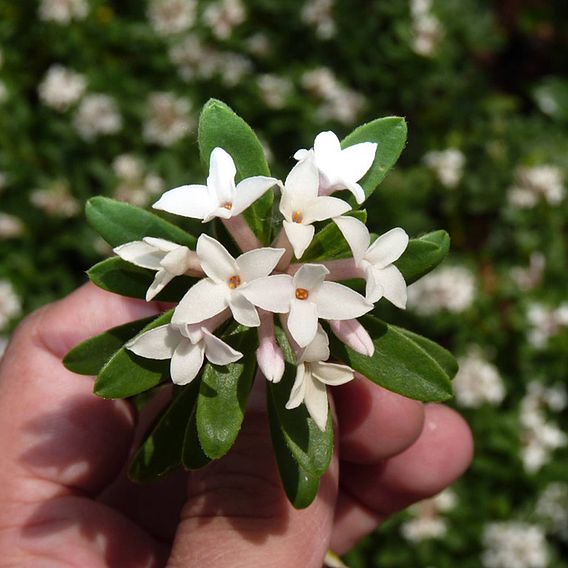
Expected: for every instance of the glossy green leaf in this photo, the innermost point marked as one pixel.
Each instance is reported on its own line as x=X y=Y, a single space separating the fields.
x=91 y=355
x=127 y=374
x=329 y=243
x=118 y=223
x=161 y=451
x=224 y=393
x=399 y=364
x=193 y=456
x=219 y=126
x=390 y=134
x=121 y=277
x=423 y=255
x=300 y=486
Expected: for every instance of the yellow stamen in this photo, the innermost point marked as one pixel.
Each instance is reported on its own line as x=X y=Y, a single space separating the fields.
x=234 y=282
x=297 y=217
x=302 y=294
x=227 y=206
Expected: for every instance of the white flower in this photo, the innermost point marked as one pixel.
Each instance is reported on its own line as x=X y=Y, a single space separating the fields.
x=128 y=167
x=301 y=205
x=223 y=16
x=274 y=90
x=383 y=278
x=61 y=88
x=318 y=14
x=340 y=169
x=10 y=226
x=169 y=17
x=313 y=375
x=10 y=303
x=97 y=115
x=552 y=509
x=447 y=164
x=169 y=119
x=423 y=528
x=56 y=199
x=306 y=297
x=539 y=182
x=227 y=280
x=220 y=197
x=169 y=259
x=63 y=11
x=186 y=346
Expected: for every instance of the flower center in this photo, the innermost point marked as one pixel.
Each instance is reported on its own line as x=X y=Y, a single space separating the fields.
x=302 y=294
x=297 y=216
x=227 y=206
x=234 y=282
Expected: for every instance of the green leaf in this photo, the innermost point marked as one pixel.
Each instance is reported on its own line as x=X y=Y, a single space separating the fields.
x=193 y=456
x=127 y=374
x=423 y=255
x=91 y=355
x=300 y=486
x=390 y=134
x=121 y=277
x=329 y=243
x=224 y=393
x=120 y=223
x=161 y=451
x=220 y=127
x=399 y=363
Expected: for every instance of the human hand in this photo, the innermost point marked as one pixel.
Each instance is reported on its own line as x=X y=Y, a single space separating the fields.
x=65 y=499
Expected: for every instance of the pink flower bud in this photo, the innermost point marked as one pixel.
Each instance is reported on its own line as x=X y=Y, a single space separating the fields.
x=269 y=355
x=354 y=335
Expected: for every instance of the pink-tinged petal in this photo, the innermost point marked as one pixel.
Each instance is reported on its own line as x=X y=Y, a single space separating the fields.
x=310 y=277
x=202 y=301
x=356 y=160
x=301 y=154
x=298 y=389
x=387 y=248
x=243 y=310
x=322 y=208
x=258 y=263
x=188 y=201
x=337 y=302
x=159 y=343
x=303 y=321
x=357 y=191
x=215 y=260
x=315 y=399
x=140 y=254
x=354 y=335
x=161 y=244
x=270 y=359
x=186 y=362
x=272 y=293
x=373 y=288
x=318 y=348
x=249 y=190
x=356 y=234
x=302 y=182
x=331 y=373
x=161 y=280
x=221 y=178
x=300 y=236
x=393 y=285
x=217 y=351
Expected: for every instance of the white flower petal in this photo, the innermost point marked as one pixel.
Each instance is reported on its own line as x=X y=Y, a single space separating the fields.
x=332 y=373
x=373 y=289
x=301 y=154
x=354 y=335
x=258 y=263
x=303 y=321
x=215 y=260
x=161 y=244
x=357 y=191
x=318 y=348
x=249 y=190
x=188 y=201
x=302 y=182
x=161 y=280
x=310 y=277
x=322 y=208
x=217 y=351
x=270 y=360
x=140 y=254
x=186 y=362
x=300 y=236
x=356 y=160
x=356 y=234
x=202 y=301
x=177 y=261
x=221 y=178
x=327 y=150
x=315 y=399
x=243 y=310
x=298 y=389
x=387 y=248
x=393 y=285
x=158 y=343
x=337 y=302
x=272 y=293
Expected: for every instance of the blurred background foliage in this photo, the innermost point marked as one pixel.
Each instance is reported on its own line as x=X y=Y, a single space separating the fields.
x=101 y=97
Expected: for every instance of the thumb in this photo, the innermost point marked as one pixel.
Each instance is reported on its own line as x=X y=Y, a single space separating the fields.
x=237 y=514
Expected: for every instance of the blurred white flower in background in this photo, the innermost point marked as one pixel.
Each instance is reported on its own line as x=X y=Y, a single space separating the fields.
x=514 y=545
x=428 y=523
x=56 y=199
x=552 y=509
x=545 y=322
x=319 y=15
x=169 y=120
x=63 y=11
x=533 y=184
x=222 y=16
x=136 y=185
x=97 y=115
x=530 y=277
x=447 y=164
x=274 y=90
x=169 y=17
x=10 y=303
x=10 y=226
x=427 y=30
x=450 y=288
x=477 y=382
x=61 y=88
x=259 y=44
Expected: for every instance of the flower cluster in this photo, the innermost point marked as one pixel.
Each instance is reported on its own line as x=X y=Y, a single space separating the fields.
x=263 y=281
